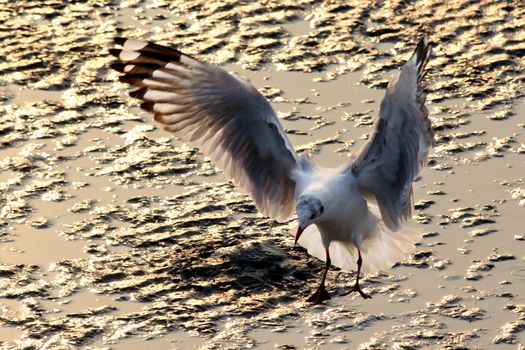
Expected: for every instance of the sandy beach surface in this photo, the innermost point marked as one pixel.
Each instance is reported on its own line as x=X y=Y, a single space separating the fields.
x=114 y=235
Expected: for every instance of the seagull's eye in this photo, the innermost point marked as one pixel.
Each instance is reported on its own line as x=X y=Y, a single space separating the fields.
x=317 y=213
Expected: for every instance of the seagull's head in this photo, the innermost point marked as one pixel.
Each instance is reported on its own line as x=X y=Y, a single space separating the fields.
x=309 y=209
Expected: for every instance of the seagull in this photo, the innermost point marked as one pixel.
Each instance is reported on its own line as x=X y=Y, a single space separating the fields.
x=350 y=216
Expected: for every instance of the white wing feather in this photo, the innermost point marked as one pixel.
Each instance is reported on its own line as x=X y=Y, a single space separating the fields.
x=393 y=156
x=223 y=115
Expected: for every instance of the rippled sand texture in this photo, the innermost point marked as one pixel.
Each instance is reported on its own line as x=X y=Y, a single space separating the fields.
x=113 y=235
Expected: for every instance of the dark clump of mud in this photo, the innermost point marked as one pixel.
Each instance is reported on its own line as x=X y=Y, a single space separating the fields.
x=111 y=231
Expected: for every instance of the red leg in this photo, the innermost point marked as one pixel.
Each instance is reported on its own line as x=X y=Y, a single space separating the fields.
x=322 y=294
x=357 y=287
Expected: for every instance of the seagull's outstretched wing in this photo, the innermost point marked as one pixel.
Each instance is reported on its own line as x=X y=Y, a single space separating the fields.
x=222 y=114
x=398 y=148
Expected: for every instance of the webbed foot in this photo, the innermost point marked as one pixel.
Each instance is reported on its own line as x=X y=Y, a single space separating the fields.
x=319 y=296
x=357 y=288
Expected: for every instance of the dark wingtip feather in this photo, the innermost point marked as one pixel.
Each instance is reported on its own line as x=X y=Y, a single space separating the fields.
x=423 y=51
x=126 y=79
x=135 y=79
x=147 y=106
x=134 y=76
x=115 y=52
x=138 y=93
x=119 y=67
x=120 y=41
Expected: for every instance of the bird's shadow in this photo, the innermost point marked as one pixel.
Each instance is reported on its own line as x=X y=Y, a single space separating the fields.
x=262 y=270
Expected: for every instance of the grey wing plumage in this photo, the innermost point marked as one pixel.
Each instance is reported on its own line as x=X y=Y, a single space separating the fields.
x=223 y=115
x=398 y=148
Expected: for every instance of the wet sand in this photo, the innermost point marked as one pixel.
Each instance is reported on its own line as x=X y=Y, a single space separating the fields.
x=115 y=235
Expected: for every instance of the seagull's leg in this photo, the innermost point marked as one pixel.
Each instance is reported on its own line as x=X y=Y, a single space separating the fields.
x=322 y=294
x=357 y=287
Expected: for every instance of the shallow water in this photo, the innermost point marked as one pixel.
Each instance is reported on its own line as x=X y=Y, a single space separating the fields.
x=115 y=235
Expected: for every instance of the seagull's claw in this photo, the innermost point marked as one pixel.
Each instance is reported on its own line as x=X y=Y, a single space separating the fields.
x=320 y=295
x=357 y=288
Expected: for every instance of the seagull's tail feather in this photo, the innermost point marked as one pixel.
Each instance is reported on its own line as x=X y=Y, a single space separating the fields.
x=385 y=247
x=380 y=250
x=341 y=255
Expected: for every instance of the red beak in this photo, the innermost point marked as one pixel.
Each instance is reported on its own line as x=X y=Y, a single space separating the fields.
x=298 y=234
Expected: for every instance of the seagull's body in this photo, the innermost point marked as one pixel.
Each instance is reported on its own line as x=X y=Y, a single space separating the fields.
x=348 y=226
x=348 y=216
